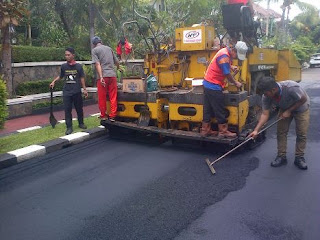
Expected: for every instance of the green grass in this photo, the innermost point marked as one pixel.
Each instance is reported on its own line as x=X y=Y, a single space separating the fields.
x=20 y=140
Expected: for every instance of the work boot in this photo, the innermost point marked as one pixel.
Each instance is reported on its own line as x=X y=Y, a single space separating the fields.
x=300 y=162
x=224 y=132
x=82 y=125
x=103 y=121
x=279 y=161
x=69 y=130
x=112 y=119
x=206 y=130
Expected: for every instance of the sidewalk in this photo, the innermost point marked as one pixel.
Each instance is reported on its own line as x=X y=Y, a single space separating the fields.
x=31 y=122
x=40 y=120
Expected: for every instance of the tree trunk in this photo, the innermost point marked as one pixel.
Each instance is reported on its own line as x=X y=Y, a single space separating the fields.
x=91 y=21
x=268 y=19
x=29 y=37
x=29 y=34
x=282 y=33
x=133 y=7
x=287 y=21
x=283 y=18
x=6 y=59
x=92 y=34
x=59 y=8
x=163 y=8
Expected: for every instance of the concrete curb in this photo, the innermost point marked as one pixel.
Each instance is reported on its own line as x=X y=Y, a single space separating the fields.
x=20 y=155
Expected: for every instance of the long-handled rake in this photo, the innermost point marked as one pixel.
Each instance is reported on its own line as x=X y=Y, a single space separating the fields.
x=236 y=147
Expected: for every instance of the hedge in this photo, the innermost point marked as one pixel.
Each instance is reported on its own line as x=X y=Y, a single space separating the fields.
x=47 y=104
x=40 y=54
x=42 y=86
x=3 y=103
x=35 y=87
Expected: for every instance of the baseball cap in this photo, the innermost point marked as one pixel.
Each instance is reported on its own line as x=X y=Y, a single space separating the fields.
x=242 y=49
x=95 y=40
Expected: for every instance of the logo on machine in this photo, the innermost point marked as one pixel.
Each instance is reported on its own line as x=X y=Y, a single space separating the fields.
x=192 y=36
x=265 y=67
x=262 y=67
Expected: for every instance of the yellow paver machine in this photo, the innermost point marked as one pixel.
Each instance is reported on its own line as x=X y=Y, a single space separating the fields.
x=176 y=105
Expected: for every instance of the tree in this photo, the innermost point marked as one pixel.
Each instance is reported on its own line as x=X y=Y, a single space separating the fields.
x=305 y=28
x=286 y=6
x=305 y=23
x=185 y=13
x=10 y=13
x=74 y=22
x=303 y=47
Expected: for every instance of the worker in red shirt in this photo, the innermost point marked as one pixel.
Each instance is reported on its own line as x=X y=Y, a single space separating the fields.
x=214 y=83
x=244 y=2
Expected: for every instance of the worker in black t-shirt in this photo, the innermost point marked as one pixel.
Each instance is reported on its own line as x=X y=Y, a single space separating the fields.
x=73 y=76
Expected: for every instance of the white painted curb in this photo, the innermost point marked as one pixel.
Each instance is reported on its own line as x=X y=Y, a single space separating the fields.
x=20 y=155
x=76 y=137
x=28 y=152
x=28 y=129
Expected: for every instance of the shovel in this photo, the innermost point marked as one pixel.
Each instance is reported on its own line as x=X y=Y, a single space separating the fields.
x=144 y=117
x=236 y=147
x=52 y=119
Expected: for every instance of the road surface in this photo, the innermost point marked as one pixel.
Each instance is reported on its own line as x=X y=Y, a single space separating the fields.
x=121 y=189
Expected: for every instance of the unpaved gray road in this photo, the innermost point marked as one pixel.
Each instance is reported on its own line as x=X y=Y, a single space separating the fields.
x=113 y=189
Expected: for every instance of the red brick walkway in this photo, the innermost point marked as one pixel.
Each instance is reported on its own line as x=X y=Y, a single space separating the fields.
x=13 y=125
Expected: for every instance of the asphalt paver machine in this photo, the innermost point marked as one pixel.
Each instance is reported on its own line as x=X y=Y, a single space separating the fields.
x=176 y=104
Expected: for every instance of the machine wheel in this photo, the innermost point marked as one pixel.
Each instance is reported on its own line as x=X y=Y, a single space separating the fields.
x=255 y=110
x=256 y=77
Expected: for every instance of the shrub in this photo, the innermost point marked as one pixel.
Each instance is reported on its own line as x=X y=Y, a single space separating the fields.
x=40 y=54
x=3 y=103
x=88 y=71
x=47 y=104
x=303 y=48
x=35 y=87
x=36 y=54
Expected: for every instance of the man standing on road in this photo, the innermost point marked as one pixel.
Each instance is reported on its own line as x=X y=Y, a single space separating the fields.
x=104 y=60
x=214 y=83
x=73 y=75
x=293 y=103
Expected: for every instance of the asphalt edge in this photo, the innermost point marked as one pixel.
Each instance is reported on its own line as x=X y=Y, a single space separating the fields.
x=20 y=155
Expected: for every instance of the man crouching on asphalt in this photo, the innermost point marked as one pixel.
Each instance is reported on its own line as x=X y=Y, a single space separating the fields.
x=73 y=76
x=293 y=103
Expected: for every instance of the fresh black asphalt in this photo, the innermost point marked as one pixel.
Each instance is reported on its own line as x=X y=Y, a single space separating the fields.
x=276 y=203
x=120 y=189
x=111 y=189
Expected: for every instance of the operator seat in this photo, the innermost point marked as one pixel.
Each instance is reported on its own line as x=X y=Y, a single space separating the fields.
x=237 y=18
